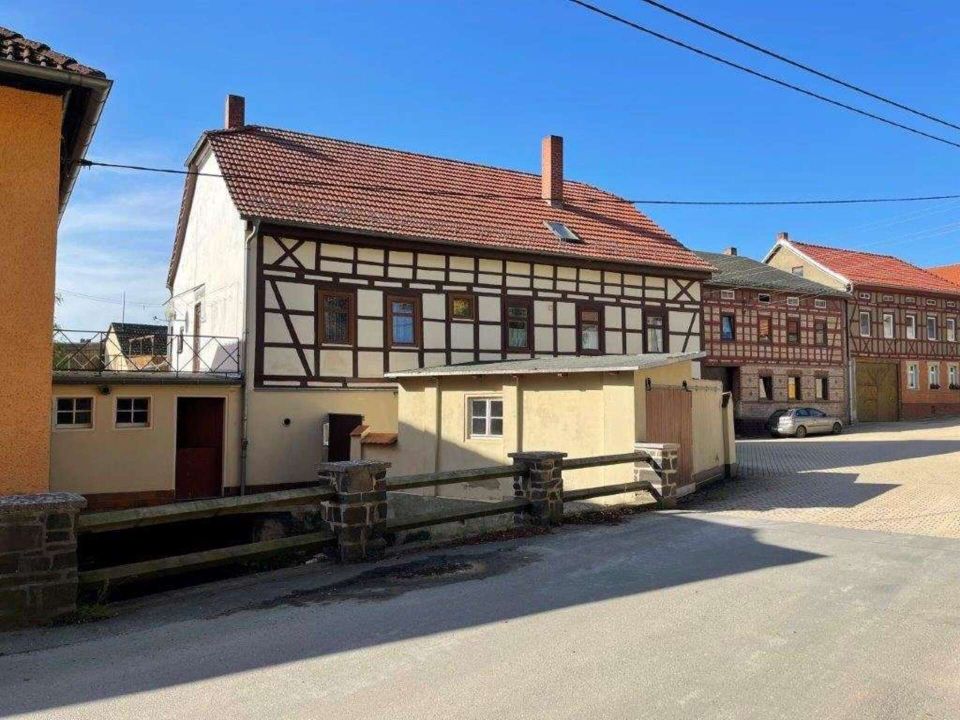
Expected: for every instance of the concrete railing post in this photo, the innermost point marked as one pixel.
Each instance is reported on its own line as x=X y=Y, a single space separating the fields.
x=660 y=470
x=38 y=557
x=539 y=479
x=358 y=515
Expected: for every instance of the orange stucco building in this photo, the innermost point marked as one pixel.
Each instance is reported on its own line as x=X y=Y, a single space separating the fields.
x=49 y=107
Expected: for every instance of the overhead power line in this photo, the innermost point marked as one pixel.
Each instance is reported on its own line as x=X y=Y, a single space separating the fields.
x=801 y=66
x=388 y=189
x=756 y=73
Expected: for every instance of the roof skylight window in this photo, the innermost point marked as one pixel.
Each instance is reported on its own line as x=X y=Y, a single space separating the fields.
x=562 y=231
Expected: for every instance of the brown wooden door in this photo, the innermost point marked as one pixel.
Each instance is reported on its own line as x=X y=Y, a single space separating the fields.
x=877 y=394
x=670 y=420
x=339 y=440
x=199 y=472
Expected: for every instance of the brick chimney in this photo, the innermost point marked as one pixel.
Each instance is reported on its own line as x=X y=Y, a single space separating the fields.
x=730 y=251
x=783 y=235
x=233 y=112
x=551 y=170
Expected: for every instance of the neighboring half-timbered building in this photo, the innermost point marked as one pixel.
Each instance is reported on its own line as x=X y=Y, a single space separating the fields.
x=338 y=262
x=774 y=339
x=902 y=328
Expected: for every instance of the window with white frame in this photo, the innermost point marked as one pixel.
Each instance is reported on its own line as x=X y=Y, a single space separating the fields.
x=931 y=327
x=793 y=301
x=953 y=376
x=133 y=412
x=728 y=295
x=933 y=373
x=911 y=327
x=888 y=325
x=913 y=376
x=951 y=330
x=486 y=417
x=74 y=412
x=864 y=324
x=820 y=304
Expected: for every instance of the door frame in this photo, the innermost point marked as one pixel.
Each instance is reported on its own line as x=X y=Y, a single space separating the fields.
x=176 y=439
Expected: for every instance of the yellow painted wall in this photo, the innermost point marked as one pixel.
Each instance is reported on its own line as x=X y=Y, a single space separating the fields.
x=29 y=202
x=786 y=258
x=106 y=459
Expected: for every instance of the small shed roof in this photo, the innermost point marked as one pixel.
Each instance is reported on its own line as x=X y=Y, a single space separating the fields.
x=554 y=365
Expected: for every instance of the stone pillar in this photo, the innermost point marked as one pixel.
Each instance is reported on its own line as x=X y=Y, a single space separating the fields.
x=660 y=470
x=539 y=479
x=38 y=557
x=358 y=515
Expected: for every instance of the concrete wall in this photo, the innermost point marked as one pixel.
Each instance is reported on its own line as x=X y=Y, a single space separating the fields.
x=581 y=414
x=289 y=453
x=106 y=460
x=29 y=203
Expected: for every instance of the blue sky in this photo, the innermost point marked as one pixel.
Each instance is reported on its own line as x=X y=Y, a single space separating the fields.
x=483 y=81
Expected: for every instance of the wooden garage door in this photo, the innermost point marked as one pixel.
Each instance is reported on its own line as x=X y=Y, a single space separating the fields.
x=877 y=397
x=670 y=420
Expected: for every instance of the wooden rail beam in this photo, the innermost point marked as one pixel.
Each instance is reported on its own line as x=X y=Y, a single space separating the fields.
x=198 y=509
x=200 y=560
x=409 y=482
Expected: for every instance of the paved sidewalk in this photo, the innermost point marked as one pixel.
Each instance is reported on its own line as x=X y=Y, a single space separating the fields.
x=891 y=477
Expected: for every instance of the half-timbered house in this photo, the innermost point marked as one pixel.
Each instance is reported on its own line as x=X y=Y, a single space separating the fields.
x=338 y=262
x=902 y=328
x=774 y=339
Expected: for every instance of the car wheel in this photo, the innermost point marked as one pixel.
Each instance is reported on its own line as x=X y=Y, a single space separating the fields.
x=837 y=428
x=774 y=435
x=801 y=432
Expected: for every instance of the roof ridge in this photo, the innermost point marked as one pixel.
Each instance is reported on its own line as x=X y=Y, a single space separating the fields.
x=840 y=249
x=398 y=151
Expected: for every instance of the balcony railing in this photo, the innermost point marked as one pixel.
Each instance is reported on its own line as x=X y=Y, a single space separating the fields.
x=108 y=352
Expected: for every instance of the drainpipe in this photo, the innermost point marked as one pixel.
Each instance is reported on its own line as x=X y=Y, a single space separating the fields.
x=251 y=236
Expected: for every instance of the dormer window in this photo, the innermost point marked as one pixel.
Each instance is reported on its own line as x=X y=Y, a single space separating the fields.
x=562 y=232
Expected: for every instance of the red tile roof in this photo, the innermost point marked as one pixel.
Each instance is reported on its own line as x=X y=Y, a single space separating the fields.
x=16 y=48
x=863 y=268
x=950 y=273
x=294 y=177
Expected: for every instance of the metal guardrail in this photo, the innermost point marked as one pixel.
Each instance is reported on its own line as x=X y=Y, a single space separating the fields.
x=141 y=350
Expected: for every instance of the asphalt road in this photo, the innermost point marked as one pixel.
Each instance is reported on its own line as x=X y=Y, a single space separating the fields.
x=668 y=615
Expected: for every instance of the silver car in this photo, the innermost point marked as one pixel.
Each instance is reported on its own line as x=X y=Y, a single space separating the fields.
x=800 y=422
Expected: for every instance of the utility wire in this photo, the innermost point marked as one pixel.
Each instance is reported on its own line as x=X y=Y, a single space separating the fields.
x=801 y=66
x=756 y=73
x=388 y=189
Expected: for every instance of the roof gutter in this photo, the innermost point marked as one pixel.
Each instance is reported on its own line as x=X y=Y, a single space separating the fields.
x=100 y=88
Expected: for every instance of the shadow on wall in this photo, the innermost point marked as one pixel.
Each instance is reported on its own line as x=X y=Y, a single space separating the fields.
x=252 y=627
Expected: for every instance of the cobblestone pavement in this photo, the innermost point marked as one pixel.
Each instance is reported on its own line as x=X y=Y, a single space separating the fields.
x=890 y=477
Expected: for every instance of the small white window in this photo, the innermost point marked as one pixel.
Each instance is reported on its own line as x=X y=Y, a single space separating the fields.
x=864 y=324
x=951 y=303
x=864 y=296
x=888 y=325
x=793 y=301
x=951 y=330
x=727 y=295
x=888 y=298
x=931 y=301
x=74 y=413
x=486 y=417
x=933 y=371
x=133 y=412
x=931 y=327
x=820 y=304
x=911 y=327
x=910 y=300
x=953 y=376
x=913 y=376
x=763 y=298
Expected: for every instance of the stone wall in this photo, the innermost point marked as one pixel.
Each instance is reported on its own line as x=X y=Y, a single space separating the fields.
x=38 y=557
x=752 y=412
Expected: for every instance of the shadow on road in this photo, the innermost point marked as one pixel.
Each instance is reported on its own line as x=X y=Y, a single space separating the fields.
x=192 y=636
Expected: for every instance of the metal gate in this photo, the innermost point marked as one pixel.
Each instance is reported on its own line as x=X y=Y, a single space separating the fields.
x=670 y=420
x=877 y=396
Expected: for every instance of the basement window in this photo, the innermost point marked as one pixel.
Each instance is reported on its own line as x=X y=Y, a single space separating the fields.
x=486 y=417
x=562 y=231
